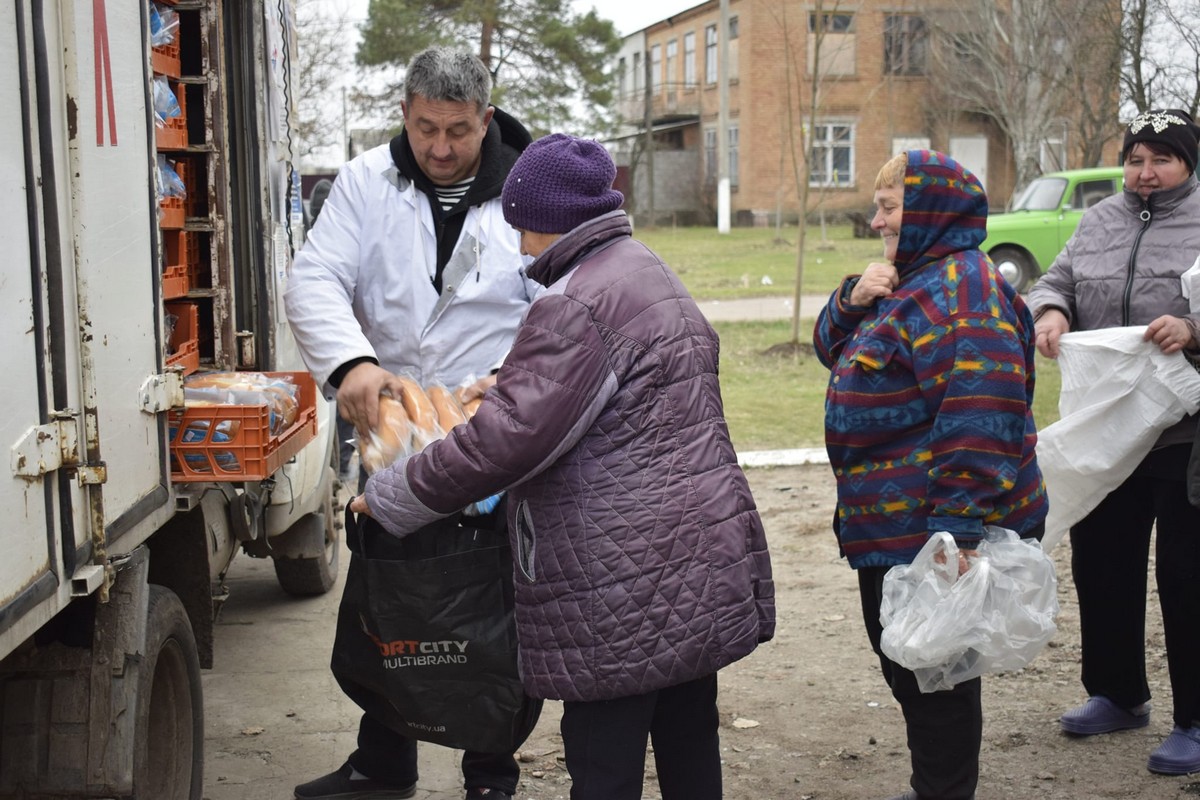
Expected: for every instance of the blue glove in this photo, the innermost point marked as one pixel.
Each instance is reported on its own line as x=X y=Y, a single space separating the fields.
x=481 y=507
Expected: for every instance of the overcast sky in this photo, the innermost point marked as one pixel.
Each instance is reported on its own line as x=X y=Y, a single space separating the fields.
x=629 y=16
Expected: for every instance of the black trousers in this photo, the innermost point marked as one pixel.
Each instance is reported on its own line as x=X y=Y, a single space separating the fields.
x=945 y=729
x=385 y=755
x=605 y=743
x=1110 y=551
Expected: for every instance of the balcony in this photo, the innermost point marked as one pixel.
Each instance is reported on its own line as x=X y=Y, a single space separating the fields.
x=670 y=102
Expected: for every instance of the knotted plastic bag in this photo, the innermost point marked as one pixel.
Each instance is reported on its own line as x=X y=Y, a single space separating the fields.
x=995 y=617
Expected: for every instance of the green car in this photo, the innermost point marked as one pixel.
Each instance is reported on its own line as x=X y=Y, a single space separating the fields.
x=1024 y=241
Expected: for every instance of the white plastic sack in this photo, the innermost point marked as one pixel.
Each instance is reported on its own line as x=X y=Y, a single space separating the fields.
x=1118 y=394
x=1189 y=284
x=995 y=617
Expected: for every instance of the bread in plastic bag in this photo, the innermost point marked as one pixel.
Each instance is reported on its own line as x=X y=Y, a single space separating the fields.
x=995 y=617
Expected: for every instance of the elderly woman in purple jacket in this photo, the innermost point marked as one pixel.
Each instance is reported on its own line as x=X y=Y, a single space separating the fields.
x=642 y=566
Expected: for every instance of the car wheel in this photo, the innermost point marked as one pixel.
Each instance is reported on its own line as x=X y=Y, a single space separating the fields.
x=1016 y=266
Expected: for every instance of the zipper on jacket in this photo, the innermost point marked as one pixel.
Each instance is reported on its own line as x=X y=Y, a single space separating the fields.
x=1145 y=217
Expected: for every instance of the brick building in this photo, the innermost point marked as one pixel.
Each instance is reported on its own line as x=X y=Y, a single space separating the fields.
x=875 y=101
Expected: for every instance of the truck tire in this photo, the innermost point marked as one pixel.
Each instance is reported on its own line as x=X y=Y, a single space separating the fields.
x=168 y=761
x=1016 y=266
x=306 y=577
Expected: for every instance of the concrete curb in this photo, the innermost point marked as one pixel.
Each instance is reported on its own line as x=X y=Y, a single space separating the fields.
x=783 y=458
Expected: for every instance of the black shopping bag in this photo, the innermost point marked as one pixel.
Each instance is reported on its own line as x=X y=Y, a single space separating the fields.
x=426 y=641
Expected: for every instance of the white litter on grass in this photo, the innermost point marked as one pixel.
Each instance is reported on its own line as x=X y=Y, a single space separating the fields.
x=743 y=723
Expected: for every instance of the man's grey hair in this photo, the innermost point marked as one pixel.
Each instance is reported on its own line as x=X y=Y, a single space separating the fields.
x=444 y=73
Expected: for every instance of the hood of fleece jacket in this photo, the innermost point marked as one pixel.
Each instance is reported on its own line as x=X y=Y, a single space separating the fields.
x=945 y=210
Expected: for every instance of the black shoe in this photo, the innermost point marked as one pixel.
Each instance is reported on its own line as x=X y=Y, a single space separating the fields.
x=488 y=794
x=339 y=786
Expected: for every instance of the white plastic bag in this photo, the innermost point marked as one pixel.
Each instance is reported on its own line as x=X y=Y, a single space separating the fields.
x=996 y=617
x=1118 y=394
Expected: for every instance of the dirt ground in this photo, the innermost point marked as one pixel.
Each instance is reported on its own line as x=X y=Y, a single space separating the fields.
x=808 y=717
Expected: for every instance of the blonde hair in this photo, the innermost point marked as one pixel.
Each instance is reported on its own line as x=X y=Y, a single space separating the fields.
x=891 y=174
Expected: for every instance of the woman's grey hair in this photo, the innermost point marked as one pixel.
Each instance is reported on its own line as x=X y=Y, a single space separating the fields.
x=444 y=73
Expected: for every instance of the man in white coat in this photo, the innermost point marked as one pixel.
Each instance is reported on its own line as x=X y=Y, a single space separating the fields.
x=413 y=271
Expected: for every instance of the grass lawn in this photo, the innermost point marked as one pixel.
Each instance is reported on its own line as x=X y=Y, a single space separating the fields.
x=719 y=266
x=773 y=401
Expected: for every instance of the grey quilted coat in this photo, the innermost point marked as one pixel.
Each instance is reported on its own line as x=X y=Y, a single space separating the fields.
x=641 y=558
x=1122 y=266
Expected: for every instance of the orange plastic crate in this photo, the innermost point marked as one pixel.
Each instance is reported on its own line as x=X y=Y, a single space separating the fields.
x=164 y=59
x=173 y=135
x=244 y=449
x=172 y=208
x=175 y=282
x=185 y=339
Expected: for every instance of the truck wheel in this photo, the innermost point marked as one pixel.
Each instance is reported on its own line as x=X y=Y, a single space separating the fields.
x=305 y=577
x=1016 y=267
x=169 y=755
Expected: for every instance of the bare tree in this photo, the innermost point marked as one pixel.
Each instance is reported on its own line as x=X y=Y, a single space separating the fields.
x=1009 y=62
x=1162 y=54
x=323 y=59
x=1093 y=72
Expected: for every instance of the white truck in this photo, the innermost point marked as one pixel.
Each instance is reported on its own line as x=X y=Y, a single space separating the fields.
x=113 y=559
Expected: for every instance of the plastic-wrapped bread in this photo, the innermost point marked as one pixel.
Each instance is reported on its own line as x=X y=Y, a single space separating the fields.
x=449 y=411
x=388 y=442
x=421 y=414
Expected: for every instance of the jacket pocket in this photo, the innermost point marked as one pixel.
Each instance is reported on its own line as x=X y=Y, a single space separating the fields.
x=526 y=542
x=873 y=354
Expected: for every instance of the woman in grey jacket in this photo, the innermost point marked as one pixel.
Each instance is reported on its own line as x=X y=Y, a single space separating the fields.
x=642 y=565
x=1122 y=268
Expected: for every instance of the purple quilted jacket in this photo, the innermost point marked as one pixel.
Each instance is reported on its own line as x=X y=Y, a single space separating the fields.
x=641 y=558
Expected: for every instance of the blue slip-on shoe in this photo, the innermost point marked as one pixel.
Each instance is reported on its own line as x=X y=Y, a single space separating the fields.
x=1179 y=754
x=1101 y=715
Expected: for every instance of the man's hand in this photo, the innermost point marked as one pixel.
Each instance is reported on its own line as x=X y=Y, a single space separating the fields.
x=878 y=280
x=358 y=396
x=1049 y=328
x=1171 y=334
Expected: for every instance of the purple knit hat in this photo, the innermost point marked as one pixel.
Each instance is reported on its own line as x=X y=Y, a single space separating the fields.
x=559 y=183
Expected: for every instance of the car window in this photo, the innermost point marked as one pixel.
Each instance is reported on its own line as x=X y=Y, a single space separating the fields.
x=1088 y=193
x=1042 y=194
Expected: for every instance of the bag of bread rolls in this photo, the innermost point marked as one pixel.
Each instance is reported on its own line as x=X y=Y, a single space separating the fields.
x=391 y=440
x=421 y=414
x=449 y=411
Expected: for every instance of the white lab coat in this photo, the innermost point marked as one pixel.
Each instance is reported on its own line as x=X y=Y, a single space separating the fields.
x=361 y=285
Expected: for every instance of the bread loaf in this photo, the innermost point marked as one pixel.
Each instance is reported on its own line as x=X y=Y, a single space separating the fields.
x=390 y=440
x=449 y=411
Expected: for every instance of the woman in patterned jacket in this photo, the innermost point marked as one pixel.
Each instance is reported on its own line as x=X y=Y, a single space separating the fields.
x=928 y=422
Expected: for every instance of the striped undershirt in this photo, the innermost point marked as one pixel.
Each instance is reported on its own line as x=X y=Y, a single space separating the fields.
x=450 y=196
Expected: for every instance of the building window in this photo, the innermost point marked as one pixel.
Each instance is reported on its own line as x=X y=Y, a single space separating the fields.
x=689 y=59
x=672 y=60
x=733 y=28
x=655 y=67
x=637 y=73
x=710 y=155
x=622 y=78
x=833 y=155
x=733 y=155
x=838 y=43
x=710 y=54
x=1052 y=154
x=905 y=45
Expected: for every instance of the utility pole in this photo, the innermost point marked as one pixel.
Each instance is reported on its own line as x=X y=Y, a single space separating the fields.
x=345 y=129
x=723 y=121
x=648 y=124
